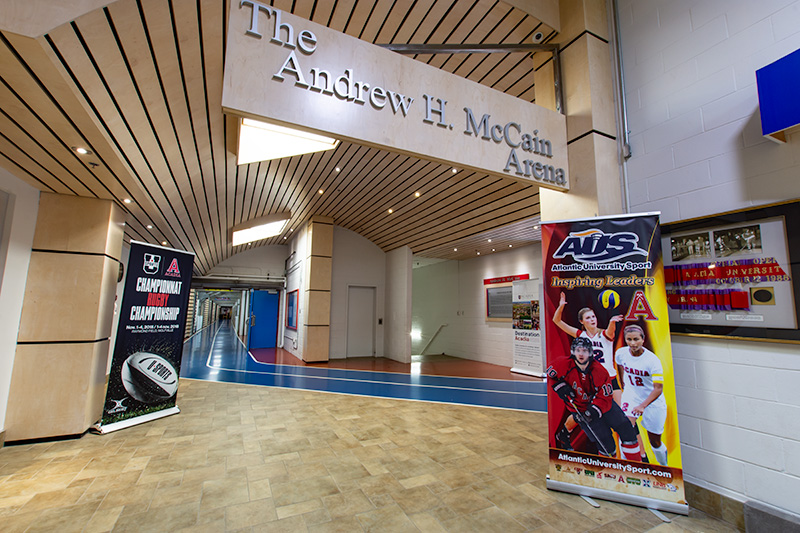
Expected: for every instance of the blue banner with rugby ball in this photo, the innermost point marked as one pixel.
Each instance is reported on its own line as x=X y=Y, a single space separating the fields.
x=143 y=382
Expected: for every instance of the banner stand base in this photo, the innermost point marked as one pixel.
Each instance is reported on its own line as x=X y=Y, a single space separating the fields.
x=149 y=417
x=660 y=516
x=647 y=503
x=527 y=372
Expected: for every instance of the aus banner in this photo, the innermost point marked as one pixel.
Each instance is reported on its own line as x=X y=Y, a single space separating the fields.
x=143 y=381
x=613 y=423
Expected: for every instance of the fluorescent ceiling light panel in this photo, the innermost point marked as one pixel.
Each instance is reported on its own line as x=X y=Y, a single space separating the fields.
x=260 y=228
x=260 y=141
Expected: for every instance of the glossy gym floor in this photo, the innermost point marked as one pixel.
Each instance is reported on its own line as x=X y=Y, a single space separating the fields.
x=216 y=354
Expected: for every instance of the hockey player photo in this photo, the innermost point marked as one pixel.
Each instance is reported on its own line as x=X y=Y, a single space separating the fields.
x=601 y=340
x=642 y=378
x=585 y=387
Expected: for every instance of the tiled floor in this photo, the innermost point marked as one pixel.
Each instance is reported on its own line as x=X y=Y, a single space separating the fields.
x=248 y=458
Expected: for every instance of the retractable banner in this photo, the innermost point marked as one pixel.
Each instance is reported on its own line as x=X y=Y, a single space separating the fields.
x=143 y=382
x=613 y=424
x=526 y=325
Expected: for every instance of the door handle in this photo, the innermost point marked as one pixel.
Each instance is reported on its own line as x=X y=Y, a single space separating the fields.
x=252 y=320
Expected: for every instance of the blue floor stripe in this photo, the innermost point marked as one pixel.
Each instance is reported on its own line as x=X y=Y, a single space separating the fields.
x=216 y=354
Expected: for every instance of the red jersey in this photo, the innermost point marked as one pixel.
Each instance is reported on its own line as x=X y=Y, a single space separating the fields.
x=591 y=387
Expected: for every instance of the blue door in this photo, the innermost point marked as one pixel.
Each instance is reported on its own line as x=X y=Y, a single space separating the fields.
x=263 y=320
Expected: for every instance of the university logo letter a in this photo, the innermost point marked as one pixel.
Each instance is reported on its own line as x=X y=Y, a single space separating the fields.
x=173 y=269
x=639 y=308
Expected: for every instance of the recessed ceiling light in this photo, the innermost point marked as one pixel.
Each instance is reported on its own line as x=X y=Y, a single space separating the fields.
x=490 y=240
x=164 y=243
x=338 y=169
x=455 y=170
x=509 y=246
x=493 y=249
x=127 y=200
x=416 y=194
x=321 y=191
x=479 y=253
x=81 y=150
x=390 y=211
x=455 y=249
x=149 y=226
x=536 y=227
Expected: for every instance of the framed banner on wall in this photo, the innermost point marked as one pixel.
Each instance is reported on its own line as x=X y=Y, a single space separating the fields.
x=734 y=274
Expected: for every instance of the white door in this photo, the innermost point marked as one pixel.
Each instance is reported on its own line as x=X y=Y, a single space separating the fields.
x=361 y=322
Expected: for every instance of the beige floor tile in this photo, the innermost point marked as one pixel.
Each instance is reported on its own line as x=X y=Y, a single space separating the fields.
x=223 y=492
x=386 y=519
x=103 y=520
x=494 y=520
x=558 y=514
x=347 y=524
x=295 y=509
x=347 y=504
x=256 y=459
x=302 y=490
x=464 y=501
x=250 y=514
x=293 y=524
x=162 y=519
x=67 y=519
x=416 y=500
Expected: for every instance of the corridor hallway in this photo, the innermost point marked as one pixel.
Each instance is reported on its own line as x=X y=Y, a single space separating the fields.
x=216 y=354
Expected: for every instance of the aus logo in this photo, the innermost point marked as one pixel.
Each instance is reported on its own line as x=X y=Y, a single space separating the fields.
x=594 y=246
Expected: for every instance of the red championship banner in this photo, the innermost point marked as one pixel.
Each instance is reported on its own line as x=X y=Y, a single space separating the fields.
x=613 y=423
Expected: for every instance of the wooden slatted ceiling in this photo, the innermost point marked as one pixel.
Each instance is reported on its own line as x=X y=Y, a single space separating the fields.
x=140 y=84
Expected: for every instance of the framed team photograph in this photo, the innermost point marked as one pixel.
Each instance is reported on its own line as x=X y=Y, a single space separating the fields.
x=694 y=246
x=743 y=282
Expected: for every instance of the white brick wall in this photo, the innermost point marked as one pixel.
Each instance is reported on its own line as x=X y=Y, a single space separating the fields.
x=697 y=150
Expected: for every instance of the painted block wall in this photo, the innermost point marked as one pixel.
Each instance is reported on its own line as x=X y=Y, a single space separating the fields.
x=356 y=262
x=453 y=293
x=18 y=228
x=689 y=69
x=259 y=261
x=297 y=252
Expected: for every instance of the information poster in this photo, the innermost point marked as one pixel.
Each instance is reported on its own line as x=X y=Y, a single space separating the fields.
x=527 y=328
x=613 y=425
x=143 y=382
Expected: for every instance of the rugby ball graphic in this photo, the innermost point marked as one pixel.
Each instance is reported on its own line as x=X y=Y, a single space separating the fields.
x=149 y=378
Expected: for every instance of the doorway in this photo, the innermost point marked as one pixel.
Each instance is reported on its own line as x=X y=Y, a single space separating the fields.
x=263 y=331
x=361 y=321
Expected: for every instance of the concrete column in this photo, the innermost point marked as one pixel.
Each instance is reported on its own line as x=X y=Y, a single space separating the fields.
x=397 y=340
x=58 y=382
x=587 y=80
x=317 y=296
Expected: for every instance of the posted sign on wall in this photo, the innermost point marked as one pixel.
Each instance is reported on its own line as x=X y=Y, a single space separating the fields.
x=288 y=70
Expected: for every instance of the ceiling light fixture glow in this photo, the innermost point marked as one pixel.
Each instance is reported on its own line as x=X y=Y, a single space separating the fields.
x=259 y=228
x=261 y=141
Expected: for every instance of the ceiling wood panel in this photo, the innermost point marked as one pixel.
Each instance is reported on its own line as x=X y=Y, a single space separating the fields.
x=139 y=83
